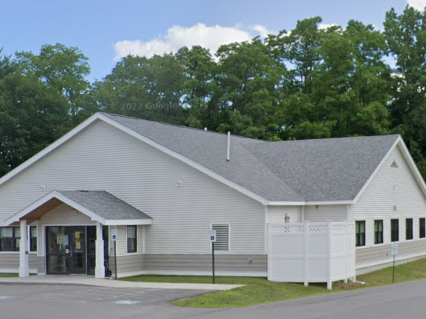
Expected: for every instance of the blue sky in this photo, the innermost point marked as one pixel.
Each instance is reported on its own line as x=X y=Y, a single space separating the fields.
x=106 y=30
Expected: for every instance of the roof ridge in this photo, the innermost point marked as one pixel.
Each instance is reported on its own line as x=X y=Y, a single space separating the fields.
x=179 y=126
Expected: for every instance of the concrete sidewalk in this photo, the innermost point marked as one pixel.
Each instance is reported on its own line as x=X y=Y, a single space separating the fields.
x=91 y=281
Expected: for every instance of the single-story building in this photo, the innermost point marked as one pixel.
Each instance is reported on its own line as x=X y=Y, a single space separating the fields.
x=160 y=189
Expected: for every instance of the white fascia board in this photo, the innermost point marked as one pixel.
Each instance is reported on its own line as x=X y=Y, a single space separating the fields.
x=124 y=222
x=185 y=160
x=51 y=195
x=319 y=203
x=50 y=148
x=332 y=202
x=398 y=140
x=284 y=203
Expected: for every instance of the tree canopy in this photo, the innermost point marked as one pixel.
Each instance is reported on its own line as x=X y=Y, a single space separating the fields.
x=308 y=82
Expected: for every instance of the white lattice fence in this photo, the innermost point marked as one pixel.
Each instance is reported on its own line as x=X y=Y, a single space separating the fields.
x=311 y=252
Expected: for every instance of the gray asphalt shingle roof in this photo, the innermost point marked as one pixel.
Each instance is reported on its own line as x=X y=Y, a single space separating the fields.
x=105 y=205
x=307 y=170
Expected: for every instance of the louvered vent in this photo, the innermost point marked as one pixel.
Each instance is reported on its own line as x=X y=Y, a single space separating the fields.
x=394 y=164
x=222 y=237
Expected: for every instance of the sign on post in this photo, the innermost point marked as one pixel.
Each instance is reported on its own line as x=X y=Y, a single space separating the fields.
x=394 y=252
x=114 y=239
x=114 y=234
x=395 y=249
x=213 y=240
x=212 y=236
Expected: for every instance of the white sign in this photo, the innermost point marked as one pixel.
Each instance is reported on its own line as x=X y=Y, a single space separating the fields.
x=114 y=234
x=395 y=249
x=213 y=236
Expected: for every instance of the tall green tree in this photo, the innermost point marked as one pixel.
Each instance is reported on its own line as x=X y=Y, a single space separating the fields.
x=145 y=88
x=36 y=100
x=248 y=79
x=406 y=37
x=199 y=87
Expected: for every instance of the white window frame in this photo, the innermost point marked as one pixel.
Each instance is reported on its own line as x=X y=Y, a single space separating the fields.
x=136 y=239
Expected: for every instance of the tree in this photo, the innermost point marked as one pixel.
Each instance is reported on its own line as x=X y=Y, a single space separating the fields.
x=62 y=69
x=198 y=92
x=144 y=88
x=248 y=78
x=406 y=37
x=37 y=97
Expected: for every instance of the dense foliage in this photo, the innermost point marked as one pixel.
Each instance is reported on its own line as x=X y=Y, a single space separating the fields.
x=309 y=82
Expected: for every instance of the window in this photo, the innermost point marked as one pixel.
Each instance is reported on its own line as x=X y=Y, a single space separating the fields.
x=394 y=230
x=10 y=238
x=33 y=238
x=360 y=233
x=131 y=239
x=378 y=232
x=222 y=237
x=422 y=228
x=409 y=228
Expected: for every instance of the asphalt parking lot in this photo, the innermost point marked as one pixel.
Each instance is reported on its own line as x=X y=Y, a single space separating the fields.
x=66 y=302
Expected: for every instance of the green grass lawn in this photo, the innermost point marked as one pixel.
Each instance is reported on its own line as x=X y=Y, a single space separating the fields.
x=260 y=290
x=8 y=275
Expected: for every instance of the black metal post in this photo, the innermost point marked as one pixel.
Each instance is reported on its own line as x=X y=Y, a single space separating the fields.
x=393 y=270
x=214 y=279
x=115 y=258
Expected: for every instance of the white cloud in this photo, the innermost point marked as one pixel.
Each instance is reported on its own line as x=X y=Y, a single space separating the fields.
x=210 y=37
x=323 y=26
x=417 y=4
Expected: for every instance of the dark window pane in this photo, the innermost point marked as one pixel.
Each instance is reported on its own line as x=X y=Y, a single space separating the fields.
x=378 y=231
x=422 y=233
x=360 y=233
x=409 y=228
x=33 y=238
x=394 y=230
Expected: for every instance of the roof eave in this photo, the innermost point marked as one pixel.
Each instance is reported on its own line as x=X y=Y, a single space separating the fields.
x=310 y=203
x=124 y=222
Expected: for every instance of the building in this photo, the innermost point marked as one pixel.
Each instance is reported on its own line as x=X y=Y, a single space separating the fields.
x=161 y=188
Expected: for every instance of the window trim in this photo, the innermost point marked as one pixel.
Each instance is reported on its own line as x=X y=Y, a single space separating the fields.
x=16 y=248
x=364 y=233
x=392 y=232
x=136 y=239
x=30 y=239
x=376 y=242
x=229 y=238
x=407 y=229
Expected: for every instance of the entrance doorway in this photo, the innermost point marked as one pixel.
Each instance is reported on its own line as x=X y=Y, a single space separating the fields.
x=71 y=249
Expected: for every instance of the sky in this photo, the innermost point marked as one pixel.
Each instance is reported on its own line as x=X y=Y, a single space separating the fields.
x=106 y=30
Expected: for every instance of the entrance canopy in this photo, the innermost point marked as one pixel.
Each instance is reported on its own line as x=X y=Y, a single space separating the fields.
x=100 y=206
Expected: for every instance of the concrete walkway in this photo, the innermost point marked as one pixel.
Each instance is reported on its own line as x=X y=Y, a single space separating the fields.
x=91 y=281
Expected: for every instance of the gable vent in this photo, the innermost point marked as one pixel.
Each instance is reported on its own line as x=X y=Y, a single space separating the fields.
x=394 y=164
x=222 y=237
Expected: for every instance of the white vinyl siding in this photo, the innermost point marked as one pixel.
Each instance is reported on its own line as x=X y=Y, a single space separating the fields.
x=276 y=214
x=140 y=239
x=222 y=237
x=390 y=187
x=66 y=215
x=104 y=158
x=324 y=213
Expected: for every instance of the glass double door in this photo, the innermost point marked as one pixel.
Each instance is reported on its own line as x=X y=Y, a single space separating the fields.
x=66 y=249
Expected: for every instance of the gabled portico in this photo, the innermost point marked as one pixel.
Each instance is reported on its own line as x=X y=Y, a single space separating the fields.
x=102 y=208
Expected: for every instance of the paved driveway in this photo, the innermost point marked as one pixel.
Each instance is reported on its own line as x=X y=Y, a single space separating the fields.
x=71 y=302
x=401 y=301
